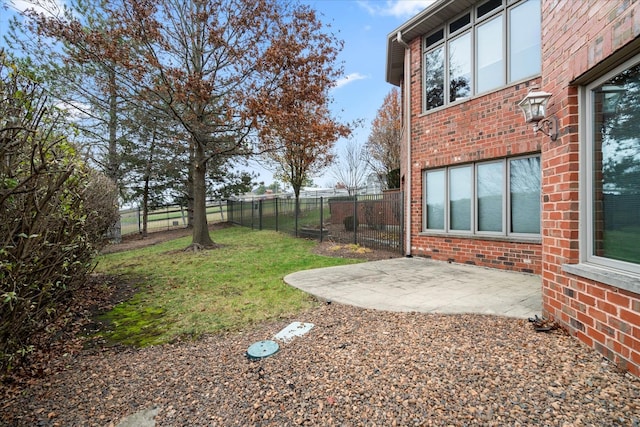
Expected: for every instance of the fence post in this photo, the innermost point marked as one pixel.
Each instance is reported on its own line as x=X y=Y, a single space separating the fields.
x=321 y=217
x=403 y=250
x=276 y=207
x=260 y=214
x=139 y=221
x=296 y=209
x=355 y=219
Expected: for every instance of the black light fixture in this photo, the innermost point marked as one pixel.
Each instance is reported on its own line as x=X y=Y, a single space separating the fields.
x=534 y=107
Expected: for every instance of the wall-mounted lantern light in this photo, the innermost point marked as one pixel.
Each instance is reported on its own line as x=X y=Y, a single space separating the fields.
x=534 y=107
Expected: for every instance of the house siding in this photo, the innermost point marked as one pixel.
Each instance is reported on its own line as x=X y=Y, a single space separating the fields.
x=577 y=37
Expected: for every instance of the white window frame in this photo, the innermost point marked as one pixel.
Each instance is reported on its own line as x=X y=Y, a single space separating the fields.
x=506 y=202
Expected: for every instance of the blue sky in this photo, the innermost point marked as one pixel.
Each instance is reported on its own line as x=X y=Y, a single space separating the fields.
x=363 y=25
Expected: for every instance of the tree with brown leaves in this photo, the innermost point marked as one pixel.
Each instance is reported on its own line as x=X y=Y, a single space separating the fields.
x=297 y=130
x=213 y=65
x=384 y=141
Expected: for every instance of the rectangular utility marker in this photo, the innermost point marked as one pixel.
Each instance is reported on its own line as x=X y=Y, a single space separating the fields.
x=295 y=329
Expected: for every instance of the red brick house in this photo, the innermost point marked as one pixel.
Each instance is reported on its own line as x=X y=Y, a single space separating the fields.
x=483 y=187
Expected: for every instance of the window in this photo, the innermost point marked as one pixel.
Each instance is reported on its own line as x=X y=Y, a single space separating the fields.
x=612 y=175
x=490 y=60
x=434 y=78
x=525 y=53
x=434 y=185
x=490 y=198
x=525 y=184
x=460 y=198
x=481 y=50
x=460 y=67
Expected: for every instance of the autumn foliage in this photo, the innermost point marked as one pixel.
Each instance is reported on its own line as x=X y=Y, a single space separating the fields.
x=238 y=76
x=384 y=141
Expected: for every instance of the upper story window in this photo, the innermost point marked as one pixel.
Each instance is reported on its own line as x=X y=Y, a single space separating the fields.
x=487 y=47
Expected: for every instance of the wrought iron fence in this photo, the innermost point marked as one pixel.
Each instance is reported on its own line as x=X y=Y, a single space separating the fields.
x=374 y=221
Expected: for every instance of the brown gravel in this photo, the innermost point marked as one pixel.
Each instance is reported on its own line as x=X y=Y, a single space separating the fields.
x=355 y=367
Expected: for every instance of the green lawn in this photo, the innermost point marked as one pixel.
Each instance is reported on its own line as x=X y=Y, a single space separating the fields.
x=622 y=244
x=186 y=294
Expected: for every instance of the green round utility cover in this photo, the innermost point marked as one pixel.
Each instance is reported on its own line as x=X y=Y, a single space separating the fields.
x=262 y=349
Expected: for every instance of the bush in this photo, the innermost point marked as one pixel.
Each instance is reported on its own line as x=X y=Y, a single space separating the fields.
x=54 y=209
x=350 y=224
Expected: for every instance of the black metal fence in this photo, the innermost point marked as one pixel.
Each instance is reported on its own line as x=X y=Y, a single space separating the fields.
x=373 y=221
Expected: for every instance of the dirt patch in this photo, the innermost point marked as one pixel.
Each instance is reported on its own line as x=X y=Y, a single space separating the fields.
x=342 y=250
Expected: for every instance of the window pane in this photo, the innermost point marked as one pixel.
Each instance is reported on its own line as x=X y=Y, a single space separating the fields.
x=490 y=183
x=434 y=78
x=459 y=23
x=434 y=38
x=490 y=60
x=616 y=186
x=524 y=182
x=460 y=198
x=435 y=199
x=488 y=7
x=460 y=67
x=524 y=37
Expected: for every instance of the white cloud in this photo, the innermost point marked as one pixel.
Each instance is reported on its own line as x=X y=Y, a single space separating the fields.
x=349 y=78
x=47 y=7
x=396 y=8
x=74 y=111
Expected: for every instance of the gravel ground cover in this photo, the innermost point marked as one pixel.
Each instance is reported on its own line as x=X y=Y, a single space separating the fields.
x=355 y=367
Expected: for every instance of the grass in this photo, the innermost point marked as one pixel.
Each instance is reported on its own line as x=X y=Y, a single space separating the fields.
x=185 y=294
x=622 y=244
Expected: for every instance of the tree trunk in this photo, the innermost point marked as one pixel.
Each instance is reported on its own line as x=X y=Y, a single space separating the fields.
x=145 y=208
x=113 y=165
x=200 y=229
x=147 y=178
x=190 y=184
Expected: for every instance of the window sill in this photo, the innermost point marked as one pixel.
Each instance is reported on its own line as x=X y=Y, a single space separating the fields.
x=537 y=240
x=609 y=276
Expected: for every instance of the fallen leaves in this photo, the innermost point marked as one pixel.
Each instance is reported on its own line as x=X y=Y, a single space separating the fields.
x=354 y=366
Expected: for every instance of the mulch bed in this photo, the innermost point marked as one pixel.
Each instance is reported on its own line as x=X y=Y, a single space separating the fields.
x=355 y=367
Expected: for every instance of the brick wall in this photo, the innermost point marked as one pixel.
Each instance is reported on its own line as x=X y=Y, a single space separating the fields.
x=484 y=128
x=383 y=212
x=578 y=36
x=497 y=254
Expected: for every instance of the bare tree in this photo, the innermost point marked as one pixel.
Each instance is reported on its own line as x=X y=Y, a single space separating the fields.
x=352 y=167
